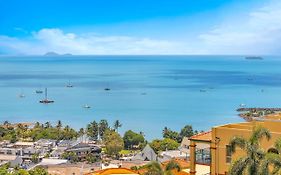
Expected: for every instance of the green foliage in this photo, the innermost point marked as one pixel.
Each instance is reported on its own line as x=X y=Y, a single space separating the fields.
x=92 y=130
x=113 y=143
x=103 y=127
x=155 y=168
x=35 y=158
x=186 y=131
x=92 y=158
x=132 y=139
x=163 y=145
x=168 y=133
x=117 y=125
x=18 y=171
x=39 y=131
x=71 y=156
x=255 y=155
x=38 y=171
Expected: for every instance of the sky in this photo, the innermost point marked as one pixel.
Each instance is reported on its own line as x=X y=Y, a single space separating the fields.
x=133 y=27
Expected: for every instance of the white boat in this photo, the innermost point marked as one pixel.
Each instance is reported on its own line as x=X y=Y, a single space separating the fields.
x=21 y=95
x=242 y=105
x=87 y=106
x=69 y=85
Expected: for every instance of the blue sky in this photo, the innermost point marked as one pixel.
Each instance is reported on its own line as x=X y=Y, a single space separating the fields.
x=140 y=26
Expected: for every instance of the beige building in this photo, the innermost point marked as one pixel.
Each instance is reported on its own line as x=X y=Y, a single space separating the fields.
x=219 y=137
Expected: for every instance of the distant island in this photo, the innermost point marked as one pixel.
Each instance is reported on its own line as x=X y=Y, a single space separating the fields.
x=254 y=58
x=56 y=54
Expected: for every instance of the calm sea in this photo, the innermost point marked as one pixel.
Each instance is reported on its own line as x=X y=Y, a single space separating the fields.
x=147 y=92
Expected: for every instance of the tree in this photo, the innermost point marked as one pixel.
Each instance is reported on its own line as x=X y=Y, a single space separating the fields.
x=103 y=126
x=186 y=131
x=117 y=125
x=47 y=125
x=92 y=158
x=7 y=124
x=71 y=156
x=37 y=125
x=168 y=133
x=132 y=139
x=81 y=132
x=113 y=143
x=254 y=154
x=273 y=160
x=38 y=171
x=92 y=130
x=155 y=168
x=59 y=125
x=163 y=145
x=35 y=158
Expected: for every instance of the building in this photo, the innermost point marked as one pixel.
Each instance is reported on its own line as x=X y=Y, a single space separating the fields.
x=82 y=150
x=147 y=154
x=219 y=137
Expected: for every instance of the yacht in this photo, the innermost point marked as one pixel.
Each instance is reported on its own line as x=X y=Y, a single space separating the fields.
x=46 y=101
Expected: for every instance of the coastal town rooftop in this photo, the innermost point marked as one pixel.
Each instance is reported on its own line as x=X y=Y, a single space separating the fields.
x=202 y=137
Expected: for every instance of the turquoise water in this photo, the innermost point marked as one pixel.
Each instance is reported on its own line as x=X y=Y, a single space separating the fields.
x=147 y=92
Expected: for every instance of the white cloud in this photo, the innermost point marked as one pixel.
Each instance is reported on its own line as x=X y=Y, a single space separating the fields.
x=257 y=33
x=58 y=41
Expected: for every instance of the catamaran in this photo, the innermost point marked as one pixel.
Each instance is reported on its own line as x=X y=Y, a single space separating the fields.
x=46 y=101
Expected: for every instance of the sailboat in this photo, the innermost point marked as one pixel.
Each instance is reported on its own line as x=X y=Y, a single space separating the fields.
x=46 y=101
x=69 y=85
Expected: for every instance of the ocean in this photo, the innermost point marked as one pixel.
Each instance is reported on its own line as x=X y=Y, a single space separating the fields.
x=146 y=93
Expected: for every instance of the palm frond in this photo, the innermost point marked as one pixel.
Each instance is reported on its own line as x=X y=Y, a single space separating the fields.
x=238 y=166
x=277 y=145
x=237 y=141
x=173 y=165
x=258 y=133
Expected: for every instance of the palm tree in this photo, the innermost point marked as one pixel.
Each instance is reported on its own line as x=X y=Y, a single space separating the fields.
x=47 y=125
x=59 y=125
x=117 y=125
x=250 y=163
x=155 y=168
x=272 y=159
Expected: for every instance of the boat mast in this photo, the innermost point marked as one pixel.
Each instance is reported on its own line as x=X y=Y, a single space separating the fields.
x=46 y=95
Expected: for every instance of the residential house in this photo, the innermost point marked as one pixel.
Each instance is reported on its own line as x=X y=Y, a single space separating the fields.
x=219 y=137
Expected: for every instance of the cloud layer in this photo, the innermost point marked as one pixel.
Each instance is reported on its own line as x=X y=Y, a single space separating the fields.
x=258 y=32
x=56 y=40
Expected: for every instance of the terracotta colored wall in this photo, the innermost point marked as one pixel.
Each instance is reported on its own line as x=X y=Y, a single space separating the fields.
x=222 y=135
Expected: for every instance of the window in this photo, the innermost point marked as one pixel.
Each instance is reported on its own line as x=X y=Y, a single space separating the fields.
x=228 y=154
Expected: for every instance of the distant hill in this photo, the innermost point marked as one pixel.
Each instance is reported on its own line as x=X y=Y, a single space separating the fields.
x=56 y=54
x=67 y=54
x=51 y=54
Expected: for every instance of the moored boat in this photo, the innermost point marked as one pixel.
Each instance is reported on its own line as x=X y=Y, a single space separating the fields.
x=46 y=100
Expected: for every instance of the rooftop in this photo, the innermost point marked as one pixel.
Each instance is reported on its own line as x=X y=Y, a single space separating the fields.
x=202 y=137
